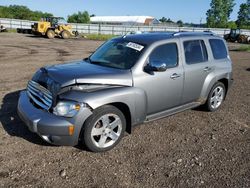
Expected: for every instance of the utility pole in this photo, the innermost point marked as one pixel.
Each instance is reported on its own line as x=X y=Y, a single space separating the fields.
x=200 y=21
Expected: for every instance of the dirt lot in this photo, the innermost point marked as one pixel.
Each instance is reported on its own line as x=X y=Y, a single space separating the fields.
x=190 y=149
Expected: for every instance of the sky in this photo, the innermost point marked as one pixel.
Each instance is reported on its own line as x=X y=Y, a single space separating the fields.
x=186 y=10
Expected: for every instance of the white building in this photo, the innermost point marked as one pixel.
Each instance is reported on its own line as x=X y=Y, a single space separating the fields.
x=124 y=20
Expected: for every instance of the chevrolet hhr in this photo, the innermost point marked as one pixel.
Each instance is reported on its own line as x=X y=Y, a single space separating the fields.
x=127 y=81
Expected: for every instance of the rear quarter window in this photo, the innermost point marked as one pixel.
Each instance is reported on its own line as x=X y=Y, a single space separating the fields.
x=218 y=48
x=195 y=51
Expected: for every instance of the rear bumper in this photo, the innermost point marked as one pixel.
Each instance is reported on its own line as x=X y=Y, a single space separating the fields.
x=51 y=128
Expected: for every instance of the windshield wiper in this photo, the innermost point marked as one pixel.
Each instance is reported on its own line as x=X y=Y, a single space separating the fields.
x=97 y=62
x=103 y=63
x=87 y=59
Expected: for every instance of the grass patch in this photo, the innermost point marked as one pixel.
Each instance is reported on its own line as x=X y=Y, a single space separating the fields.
x=98 y=36
x=243 y=48
x=11 y=30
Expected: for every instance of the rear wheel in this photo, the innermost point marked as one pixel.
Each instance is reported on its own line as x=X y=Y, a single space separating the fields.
x=50 y=34
x=226 y=37
x=215 y=97
x=25 y=31
x=104 y=129
x=76 y=33
x=65 y=34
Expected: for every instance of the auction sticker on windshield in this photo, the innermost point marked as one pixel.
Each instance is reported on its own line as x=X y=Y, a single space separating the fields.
x=135 y=46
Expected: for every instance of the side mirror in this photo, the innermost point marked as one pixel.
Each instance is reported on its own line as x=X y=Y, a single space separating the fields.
x=156 y=66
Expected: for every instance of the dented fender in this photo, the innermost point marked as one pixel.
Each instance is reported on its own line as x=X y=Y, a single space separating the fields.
x=133 y=98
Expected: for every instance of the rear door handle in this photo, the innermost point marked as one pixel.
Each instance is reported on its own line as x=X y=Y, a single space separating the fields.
x=207 y=69
x=175 y=75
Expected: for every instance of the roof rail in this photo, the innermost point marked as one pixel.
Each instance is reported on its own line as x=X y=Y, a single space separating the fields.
x=190 y=33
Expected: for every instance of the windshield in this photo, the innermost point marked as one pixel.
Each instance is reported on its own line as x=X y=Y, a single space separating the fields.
x=117 y=53
x=62 y=21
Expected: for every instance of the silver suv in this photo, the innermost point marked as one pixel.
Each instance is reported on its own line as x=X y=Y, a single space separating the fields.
x=129 y=80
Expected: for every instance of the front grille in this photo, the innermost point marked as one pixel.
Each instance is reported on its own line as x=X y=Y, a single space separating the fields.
x=39 y=95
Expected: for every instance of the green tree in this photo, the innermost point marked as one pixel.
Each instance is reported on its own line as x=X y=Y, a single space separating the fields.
x=80 y=17
x=21 y=12
x=180 y=23
x=170 y=21
x=219 y=13
x=232 y=25
x=243 y=20
x=163 y=20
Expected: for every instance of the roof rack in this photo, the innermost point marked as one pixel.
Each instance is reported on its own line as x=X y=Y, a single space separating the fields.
x=190 y=33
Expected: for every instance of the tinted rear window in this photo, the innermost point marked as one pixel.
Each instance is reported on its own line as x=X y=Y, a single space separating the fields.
x=195 y=51
x=218 y=48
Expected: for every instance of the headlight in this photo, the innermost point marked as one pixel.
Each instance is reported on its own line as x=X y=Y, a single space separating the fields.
x=67 y=109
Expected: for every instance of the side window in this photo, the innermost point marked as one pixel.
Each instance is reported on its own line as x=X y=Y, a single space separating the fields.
x=167 y=53
x=218 y=48
x=195 y=51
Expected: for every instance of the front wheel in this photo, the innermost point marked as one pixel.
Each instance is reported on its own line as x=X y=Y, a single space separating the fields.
x=104 y=129
x=50 y=34
x=215 y=97
x=65 y=34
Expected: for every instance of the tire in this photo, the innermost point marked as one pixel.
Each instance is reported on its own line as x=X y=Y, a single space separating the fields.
x=226 y=37
x=216 y=97
x=65 y=34
x=25 y=31
x=50 y=34
x=242 y=39
x=76 y=33
x=97 y=136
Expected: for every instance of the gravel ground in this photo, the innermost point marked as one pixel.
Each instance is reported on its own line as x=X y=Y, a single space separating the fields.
x=190 y=149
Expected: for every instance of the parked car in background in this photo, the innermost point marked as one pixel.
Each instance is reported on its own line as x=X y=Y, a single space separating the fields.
x=129 y=80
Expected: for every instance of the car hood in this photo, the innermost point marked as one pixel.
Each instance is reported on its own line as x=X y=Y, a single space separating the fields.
x=81 y=72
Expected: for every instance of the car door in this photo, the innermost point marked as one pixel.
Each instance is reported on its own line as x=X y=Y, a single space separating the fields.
x=163 y=89
x=197 y=67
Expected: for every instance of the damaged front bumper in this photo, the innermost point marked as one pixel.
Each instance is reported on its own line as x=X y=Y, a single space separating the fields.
x=53 y=129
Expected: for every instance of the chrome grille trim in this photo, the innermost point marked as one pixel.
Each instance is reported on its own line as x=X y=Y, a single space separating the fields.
x=39 y=95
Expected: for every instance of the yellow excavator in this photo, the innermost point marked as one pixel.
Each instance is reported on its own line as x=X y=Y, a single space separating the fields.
x=53 y=26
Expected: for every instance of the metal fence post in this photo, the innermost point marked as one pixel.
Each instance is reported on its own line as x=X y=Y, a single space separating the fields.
x=111 y=29
x=99 y=29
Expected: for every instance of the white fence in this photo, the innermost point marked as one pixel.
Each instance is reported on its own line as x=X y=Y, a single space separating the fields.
x=115 y=29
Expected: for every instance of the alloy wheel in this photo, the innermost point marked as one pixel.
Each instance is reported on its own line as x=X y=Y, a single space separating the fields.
x=106 y=130
x=217 y=97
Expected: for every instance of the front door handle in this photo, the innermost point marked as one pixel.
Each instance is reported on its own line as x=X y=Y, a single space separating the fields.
x=207 y=69
x=175 y=75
